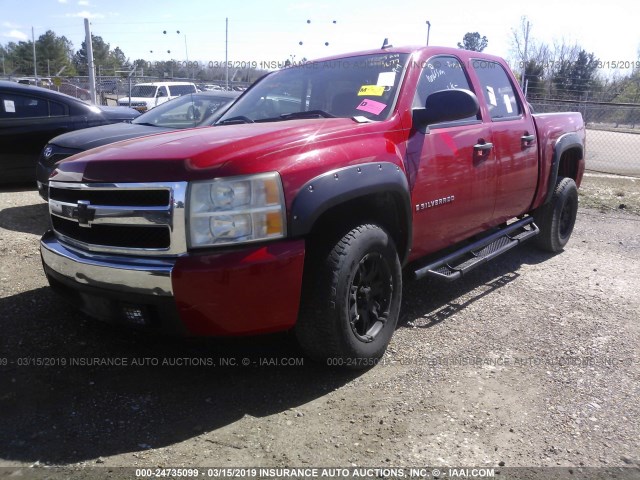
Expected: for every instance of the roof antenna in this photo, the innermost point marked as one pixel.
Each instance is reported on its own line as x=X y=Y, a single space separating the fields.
x=386 y=44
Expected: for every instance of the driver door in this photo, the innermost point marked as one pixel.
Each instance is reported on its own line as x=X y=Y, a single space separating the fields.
x=452 y=167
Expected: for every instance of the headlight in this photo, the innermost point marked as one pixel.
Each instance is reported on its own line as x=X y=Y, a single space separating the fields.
x=236 y=210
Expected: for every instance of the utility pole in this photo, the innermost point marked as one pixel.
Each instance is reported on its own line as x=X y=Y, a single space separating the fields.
x=35 y=65
x=90 y=65
x=226 y=52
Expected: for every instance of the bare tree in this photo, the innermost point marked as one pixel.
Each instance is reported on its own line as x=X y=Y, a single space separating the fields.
x=520 y=46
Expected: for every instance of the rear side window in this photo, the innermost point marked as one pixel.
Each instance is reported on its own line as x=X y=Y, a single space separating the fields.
x=497 y=90
x=57 y=109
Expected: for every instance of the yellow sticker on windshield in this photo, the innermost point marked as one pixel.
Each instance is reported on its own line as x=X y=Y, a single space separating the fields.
x=371 y=90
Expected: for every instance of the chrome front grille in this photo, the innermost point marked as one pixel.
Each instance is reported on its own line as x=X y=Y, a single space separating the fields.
x=123 y=218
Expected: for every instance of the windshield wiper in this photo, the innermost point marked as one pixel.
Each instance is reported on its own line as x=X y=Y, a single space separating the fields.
x=298 y=115
x=238 y=119
x=147 y=124
x=308 y=114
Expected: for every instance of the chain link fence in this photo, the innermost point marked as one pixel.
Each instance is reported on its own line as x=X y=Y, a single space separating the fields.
x=613 y=133
x=613 y=129
x=110 y=88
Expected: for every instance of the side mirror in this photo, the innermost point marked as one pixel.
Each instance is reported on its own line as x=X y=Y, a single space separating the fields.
x=446 y=106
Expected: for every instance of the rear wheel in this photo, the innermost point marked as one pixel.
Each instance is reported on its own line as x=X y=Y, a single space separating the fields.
x=351 y=301
x=557 y=218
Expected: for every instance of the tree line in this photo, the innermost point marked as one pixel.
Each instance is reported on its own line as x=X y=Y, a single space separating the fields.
x=568 y=73
x=564 y=72
x=55 y=55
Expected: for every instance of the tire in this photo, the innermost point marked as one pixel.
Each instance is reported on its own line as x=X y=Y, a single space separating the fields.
x=193 y=113
x=351 y=299
x=557 y=218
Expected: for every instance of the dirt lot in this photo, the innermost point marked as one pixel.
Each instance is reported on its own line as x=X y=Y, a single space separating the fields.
x=531 y=361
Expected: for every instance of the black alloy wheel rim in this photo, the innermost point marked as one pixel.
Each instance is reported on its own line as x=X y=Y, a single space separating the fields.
x=370 y=295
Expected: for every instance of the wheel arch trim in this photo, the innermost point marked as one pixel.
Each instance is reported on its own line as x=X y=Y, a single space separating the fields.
x=565 y=142
x=336 y=187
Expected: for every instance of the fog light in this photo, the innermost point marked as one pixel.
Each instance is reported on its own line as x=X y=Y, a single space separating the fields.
x=135 y=315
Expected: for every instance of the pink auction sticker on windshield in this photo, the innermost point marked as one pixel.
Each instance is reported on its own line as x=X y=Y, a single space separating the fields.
x=371 y=106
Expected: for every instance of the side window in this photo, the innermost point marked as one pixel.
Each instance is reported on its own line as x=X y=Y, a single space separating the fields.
x=57 y=109
x=440 y=73
x=22 y=106
x=162 y=92
x=497 y=91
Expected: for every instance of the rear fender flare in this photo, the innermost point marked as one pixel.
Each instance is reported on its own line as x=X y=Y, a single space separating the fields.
x=564 y=143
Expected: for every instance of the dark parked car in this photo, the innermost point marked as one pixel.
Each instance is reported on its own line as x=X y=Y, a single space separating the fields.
x=30 y=116
x=110 y=85
x=188 y=111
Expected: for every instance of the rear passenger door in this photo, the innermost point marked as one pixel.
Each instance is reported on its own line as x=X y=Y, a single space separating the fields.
x=514 y=140
x=27 y=123
x=451 y=167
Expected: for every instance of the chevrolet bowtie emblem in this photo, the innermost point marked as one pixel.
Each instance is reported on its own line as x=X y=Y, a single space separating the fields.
x=84 y=213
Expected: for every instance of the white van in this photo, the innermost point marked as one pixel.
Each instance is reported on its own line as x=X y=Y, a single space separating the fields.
x=145 y=96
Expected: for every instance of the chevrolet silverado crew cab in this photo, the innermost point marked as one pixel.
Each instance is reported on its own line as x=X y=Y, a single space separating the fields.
x=145 y=96
x=320 y=190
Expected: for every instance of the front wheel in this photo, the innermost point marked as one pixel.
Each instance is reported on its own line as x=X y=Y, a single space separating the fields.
x=557 y=218
x=351 y=302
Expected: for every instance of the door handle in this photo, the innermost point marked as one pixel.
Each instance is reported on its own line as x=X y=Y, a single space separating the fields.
x=527 y=139
x=482 y=149
x=483 y=146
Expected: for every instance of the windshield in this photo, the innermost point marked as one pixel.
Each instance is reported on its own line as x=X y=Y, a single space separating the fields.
x=356 y=86
x=148 y=91
x=175 y=90
x=185 y=112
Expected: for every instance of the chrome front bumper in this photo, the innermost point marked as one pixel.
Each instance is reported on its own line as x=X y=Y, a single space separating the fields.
x=147 y=276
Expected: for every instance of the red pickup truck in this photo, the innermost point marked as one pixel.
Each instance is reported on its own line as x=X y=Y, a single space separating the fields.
x=322 y=188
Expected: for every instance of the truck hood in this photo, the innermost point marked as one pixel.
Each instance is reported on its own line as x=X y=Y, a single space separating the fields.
x=88 y=138
x=203 y=153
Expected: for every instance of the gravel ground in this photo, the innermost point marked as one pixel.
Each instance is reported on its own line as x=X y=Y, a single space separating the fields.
x=532 y=361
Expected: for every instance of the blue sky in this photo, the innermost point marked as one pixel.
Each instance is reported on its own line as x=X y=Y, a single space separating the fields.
x=272 y=30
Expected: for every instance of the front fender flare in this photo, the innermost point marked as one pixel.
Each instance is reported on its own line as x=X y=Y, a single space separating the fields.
x=341 y=185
